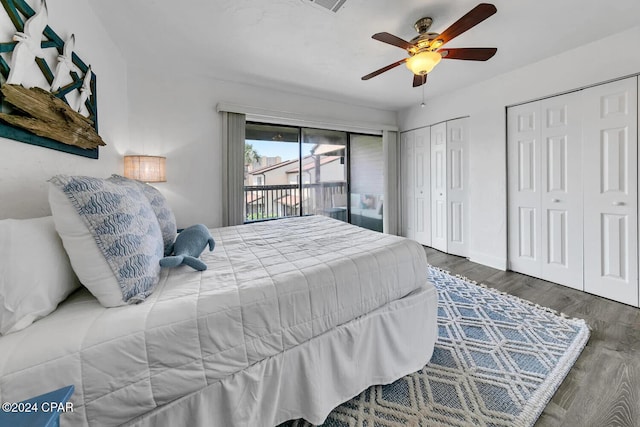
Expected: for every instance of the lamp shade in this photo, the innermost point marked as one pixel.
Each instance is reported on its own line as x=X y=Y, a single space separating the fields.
x=423 y=62
x=145 y=168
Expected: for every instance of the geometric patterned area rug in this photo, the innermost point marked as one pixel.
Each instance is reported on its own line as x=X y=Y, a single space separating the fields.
x=498 y=361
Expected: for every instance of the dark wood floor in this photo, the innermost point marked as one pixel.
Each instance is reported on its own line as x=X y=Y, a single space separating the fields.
x=603 y=387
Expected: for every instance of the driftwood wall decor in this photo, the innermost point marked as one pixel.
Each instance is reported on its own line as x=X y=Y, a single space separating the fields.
x=71 y=124
x=40 y=112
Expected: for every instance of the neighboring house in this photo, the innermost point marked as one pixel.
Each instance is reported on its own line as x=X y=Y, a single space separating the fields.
x=331 y=170
x=264 y=162
x=270 y=175
x=285 y=199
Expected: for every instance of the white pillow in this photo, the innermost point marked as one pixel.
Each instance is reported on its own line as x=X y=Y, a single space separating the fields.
x=35 y=273
x=111 y=235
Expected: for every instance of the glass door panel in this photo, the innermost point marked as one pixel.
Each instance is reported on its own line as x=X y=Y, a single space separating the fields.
x=271 y=156
x=324 y=173
x=367 y=180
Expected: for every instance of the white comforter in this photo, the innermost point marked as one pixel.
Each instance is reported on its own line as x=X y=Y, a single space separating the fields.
x=268 y=287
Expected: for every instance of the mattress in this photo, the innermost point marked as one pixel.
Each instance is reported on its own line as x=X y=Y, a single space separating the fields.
x=269 y=287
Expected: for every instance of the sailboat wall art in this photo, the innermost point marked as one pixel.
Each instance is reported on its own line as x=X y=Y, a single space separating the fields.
x=48 y=95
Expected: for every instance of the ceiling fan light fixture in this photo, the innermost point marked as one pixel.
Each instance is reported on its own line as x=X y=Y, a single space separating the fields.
x=423 y=62
x=424 y=48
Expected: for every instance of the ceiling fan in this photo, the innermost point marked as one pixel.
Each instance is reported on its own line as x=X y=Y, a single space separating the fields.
x=425 y=49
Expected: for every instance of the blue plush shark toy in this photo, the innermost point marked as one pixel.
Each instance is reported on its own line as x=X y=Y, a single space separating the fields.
x=188 y=246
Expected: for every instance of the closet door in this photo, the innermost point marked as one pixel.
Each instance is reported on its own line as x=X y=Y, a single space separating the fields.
x=457 y=187
x=611 y=191
x=545 y=189
x=523 y=158
x=561 y=190
x=439 y=186
x=416 y=182
x=407 y=147
x=422 y=188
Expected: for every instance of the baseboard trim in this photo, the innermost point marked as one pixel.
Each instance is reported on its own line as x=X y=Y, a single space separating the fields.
x=488 y=260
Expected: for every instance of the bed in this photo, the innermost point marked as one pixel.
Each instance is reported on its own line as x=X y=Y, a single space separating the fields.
x=291 y=318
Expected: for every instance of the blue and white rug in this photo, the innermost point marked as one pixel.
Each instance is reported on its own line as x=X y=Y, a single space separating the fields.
x=498 y=361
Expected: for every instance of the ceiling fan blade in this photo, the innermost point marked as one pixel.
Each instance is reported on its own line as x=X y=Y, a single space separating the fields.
x=471 y=19
x=383 y=69
x=469 y=53
x=419 y=80
x=392 y=40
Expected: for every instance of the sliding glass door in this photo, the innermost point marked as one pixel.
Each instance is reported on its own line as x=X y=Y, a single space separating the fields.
x=292 y=171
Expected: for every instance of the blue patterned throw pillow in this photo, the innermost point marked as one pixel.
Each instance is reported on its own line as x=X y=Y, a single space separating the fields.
x=158 y=202
x=123 y=225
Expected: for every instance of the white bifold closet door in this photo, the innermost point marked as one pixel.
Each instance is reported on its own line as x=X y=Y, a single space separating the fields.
x=573 y=190
x=449 y=187
x=523 y=161
x=439 y=187
x=407 y=145
x=611 y=191
x=457 y=188
x=416 y=154
x=545 y=189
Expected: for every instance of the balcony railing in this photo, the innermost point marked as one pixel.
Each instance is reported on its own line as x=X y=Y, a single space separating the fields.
x=264 y=202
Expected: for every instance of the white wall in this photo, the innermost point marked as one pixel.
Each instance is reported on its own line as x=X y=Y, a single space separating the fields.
x=485 y=103
x=24 y=168
x=176 y=117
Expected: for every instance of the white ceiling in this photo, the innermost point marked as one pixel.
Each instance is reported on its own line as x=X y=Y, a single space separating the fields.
x=294 y=46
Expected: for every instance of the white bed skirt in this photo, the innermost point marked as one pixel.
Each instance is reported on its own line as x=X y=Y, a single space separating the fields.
x=309 y=380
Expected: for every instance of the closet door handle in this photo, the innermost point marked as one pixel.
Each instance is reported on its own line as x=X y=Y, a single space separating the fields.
x=618 y=203
x=555 y=200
